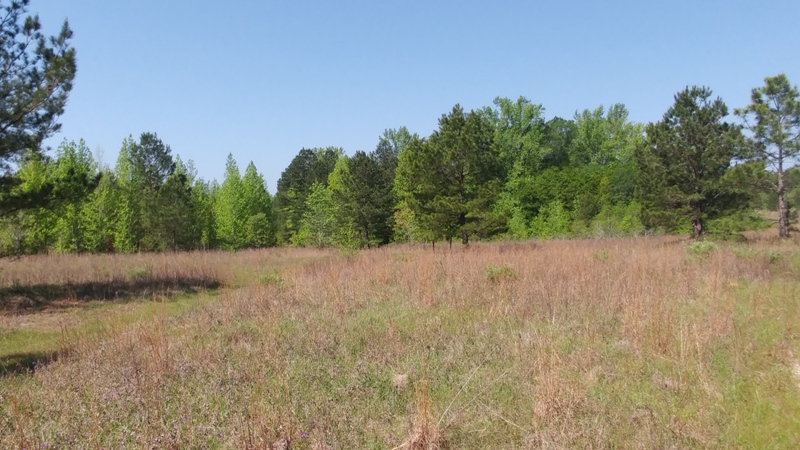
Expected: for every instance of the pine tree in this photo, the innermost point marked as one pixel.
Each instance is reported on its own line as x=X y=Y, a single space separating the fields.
x=683 y=163
x=294 y=186
x=257 y=204
x=773 y=120
x=455 y=177
x=177 y=220
x=35 y=82
x=203 y=203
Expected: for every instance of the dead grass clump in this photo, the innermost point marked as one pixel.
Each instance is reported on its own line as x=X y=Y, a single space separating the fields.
x=425 y=432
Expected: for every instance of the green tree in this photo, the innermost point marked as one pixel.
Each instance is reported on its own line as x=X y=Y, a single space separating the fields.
x=73 y=160
x=127 y=221
x=396 y=140
x=318 y=225
x=32 y=227
x=203 y=201
x=552 y=221
x=773 y=120
x=177 y=220
x=560 y=134
x=366 y=198
x=257 y=204
x=519 y=129
x=294 y=186
x=144 y=168
x=455 y=177
x=35 y=81
x=99 y=214
x=683 y=163
x=229 y=208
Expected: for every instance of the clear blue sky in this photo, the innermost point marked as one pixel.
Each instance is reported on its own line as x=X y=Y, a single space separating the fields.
x=263 y=79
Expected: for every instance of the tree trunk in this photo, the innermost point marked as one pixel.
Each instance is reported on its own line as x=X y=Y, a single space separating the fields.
x=783 y=210
x=464 y=238
x=697 y=222
x=697 y=227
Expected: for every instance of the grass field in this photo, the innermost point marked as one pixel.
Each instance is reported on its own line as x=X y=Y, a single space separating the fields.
x=629 y=343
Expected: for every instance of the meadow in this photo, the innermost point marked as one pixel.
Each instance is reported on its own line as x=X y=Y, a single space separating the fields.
x=614 y=343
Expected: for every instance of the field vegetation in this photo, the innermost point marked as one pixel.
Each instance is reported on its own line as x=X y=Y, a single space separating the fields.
x=628 y=343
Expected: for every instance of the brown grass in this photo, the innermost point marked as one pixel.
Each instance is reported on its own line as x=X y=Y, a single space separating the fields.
x=34 y=283
x=632 y=343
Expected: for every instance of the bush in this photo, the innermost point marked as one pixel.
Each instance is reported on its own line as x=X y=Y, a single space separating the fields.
x=138 y=273
x=271 y=279
x=498 y=273
x=702 y=249
x=553 y=221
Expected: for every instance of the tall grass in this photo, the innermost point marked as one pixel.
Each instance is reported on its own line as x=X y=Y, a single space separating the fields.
x=613 y=343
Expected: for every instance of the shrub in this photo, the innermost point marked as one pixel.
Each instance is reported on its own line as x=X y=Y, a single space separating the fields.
x=497 y=273
x=271 y=279
x=138 y=273
x=702 y=249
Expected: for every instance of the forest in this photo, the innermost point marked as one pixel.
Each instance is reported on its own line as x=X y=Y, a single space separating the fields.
x=496 y=173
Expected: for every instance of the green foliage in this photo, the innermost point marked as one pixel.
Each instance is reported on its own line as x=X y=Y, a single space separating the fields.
x=318 y=224
x=258 y=231
x=519 y=129
x=773 y=121
x=450 y=181
x=684 y=161
x=203 y=204
x=701 y=249
x=35 y=82
x=739 y=221
x=143 y=168
x=294 y=186
x=551 y=222
x=618 y=220
x=257 y=205
x=363 y=193
x=138 y=273
x=273 y=278
x=229 y=208
x=501 y=172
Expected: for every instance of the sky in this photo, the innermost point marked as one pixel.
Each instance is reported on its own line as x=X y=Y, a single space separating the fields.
x=264 y=79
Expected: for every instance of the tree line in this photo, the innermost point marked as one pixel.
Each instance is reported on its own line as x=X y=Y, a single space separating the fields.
x=503 y=171
x=499 y=172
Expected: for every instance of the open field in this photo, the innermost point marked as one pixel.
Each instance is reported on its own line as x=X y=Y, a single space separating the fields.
x=629 y=343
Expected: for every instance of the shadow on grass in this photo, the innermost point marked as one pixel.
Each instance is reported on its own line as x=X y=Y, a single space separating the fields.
x=25 y=299
x=24 y=363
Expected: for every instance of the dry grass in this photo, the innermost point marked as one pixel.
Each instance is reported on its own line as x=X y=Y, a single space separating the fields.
x=34 y=283
x=632 y=343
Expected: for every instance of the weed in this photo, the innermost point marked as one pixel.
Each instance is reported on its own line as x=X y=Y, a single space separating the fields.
x=702 y=249
x=271 y=279
x=603 y=255
x=138 y=273
x=495 y=273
